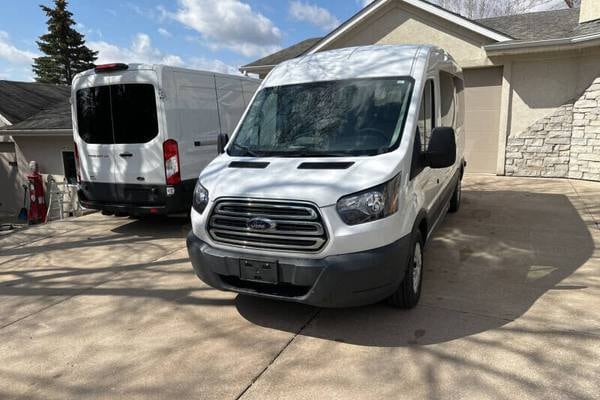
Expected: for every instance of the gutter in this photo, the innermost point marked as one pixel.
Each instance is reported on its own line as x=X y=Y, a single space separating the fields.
x=541 y=45
x=36 y=132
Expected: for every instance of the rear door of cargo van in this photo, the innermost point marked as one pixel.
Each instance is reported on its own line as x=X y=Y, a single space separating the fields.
x=119 y=130
x=138 y=147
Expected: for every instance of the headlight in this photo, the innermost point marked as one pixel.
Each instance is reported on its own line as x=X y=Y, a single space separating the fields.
x=200 y=200
x=371 y=204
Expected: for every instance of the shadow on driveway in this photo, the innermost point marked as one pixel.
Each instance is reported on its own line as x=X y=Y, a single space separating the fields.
x=485 y=267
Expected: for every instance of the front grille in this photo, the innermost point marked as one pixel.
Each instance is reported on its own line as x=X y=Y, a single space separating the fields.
x=286 y=225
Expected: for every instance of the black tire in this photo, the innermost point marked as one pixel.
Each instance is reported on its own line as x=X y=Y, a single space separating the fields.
x=408 y=294
x=456 y=197
x=104 y=212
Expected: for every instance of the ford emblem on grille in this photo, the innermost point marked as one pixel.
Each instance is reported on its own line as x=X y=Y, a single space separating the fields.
x=261 y=224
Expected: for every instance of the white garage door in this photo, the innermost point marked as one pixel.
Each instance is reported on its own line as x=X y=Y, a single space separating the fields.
x=483 y=91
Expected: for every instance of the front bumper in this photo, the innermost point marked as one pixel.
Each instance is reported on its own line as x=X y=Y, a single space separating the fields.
x=336 y=281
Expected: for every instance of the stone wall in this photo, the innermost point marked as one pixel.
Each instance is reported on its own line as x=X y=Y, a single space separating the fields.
x=565 y=144
x=585 y=140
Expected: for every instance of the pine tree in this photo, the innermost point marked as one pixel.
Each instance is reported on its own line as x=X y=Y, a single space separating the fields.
x=64 y=48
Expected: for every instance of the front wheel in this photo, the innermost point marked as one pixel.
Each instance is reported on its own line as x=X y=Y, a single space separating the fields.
x=408 y=294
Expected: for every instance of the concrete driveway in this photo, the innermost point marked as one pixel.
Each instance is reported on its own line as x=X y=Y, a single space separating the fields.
x=103 y=307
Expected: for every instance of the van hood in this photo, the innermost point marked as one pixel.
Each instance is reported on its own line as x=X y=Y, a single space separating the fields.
x=283 y=179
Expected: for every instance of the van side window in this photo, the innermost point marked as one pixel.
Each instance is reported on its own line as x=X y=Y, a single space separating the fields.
x=460 y=101
x=447 y=99
x=426 y=122
x=425 y=126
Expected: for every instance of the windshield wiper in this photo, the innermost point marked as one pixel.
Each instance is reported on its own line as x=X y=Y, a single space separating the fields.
x=245 y=149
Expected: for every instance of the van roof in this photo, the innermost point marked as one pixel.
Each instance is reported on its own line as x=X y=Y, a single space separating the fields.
x=161 y=67
x=355 y=62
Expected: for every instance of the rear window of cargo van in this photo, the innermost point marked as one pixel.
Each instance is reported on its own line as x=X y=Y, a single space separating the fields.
x=117 y=114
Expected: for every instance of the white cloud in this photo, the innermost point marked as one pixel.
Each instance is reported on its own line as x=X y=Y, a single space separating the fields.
x=141 y=50
x=157 y=14
x=88 y=31
x=313 y=14
x=364 y=3
x=212 y=65
x=164 y=32
x=230 y=24
x=15 y=63
x=13 y=55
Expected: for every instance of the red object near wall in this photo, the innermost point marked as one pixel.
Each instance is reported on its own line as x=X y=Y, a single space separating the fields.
x=37 y=200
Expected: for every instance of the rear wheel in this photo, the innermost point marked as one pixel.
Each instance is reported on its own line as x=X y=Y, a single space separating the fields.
x=456 y=197
x=408 y=294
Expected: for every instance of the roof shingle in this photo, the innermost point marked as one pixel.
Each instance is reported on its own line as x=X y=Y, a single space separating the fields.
x=536 y=26
x=21 y=100
x=56 y=116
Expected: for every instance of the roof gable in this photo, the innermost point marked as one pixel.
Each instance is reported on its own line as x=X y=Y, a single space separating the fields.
x=286 y=54
x=419 y=4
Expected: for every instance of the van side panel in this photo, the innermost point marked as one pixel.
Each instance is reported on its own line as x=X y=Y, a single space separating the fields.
x=231 y=102
x=198 y=117
x=249 y=89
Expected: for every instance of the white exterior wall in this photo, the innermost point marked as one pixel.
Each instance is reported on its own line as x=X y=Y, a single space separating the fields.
x=46 y=150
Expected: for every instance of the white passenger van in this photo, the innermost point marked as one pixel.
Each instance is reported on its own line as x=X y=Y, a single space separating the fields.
x=340 y=170
x=143 y=133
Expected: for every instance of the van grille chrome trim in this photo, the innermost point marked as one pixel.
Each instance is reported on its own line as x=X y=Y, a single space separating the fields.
x=289 y=226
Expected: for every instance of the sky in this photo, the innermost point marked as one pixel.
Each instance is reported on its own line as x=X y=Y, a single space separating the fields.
x=217 y=35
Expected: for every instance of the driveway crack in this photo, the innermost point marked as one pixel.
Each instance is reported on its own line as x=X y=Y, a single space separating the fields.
x=279 y=353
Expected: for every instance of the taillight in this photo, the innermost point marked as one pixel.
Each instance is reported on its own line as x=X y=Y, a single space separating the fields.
x=77 y=167
x=171 y=154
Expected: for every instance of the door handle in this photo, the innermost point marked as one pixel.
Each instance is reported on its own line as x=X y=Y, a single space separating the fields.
x=126 y=155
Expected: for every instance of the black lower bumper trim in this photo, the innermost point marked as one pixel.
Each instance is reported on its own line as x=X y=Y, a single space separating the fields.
x=134 y=199
x=337 y=281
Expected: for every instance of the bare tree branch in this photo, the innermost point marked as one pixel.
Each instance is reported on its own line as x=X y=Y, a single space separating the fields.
x=573 y=3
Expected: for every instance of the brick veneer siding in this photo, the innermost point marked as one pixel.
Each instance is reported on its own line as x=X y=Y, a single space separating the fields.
x=565 y=144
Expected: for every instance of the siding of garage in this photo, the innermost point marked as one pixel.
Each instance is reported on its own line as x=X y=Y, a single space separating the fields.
x=483 y=93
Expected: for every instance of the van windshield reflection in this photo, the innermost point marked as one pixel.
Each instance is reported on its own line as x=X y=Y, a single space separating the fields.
x=325 y=119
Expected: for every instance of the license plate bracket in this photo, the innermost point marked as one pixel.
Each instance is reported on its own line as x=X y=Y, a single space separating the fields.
x=259 y=271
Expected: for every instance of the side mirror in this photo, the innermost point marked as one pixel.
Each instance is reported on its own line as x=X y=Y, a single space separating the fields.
x=441 y=152
x=222 y=140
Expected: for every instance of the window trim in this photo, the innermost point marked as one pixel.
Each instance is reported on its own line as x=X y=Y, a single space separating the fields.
x=425 y=142
x=416 y=169
x=452 y=78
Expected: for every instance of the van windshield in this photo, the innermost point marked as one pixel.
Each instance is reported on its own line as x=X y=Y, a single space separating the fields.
x=325 y=119
x=117 y=114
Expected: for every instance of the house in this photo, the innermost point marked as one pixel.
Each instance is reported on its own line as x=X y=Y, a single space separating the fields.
x=532 y=81
x=35 y=124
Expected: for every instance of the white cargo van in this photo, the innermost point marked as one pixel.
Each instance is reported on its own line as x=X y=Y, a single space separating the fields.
x=143 y=133
x=340 y=170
